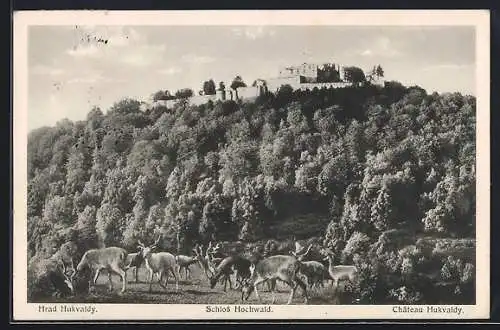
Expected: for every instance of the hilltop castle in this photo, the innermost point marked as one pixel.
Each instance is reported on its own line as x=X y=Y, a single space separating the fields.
x=305 y=76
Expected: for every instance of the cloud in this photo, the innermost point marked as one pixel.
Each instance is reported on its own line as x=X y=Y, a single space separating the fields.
x=447 y=66
x=381 y=47
x=92 y=40
x=253 y=32
x=90 y=50
x=170 y=71
x=95 y=77
x=142 y=56
x=119 y=37
x=197 y=59
x=46 y=70
x=135 y=59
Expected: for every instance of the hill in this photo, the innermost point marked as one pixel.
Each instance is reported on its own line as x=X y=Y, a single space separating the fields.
x=345 y=162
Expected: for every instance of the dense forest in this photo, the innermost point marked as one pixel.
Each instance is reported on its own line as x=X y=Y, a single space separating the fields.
x=365 y=168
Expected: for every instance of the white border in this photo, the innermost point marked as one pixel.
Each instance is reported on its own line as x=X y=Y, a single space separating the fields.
x=23 y=311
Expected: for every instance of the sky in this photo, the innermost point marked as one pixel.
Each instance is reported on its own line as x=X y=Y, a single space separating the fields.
x=73 y=68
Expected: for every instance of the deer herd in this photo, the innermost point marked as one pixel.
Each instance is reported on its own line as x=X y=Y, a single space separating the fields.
x=250 y=270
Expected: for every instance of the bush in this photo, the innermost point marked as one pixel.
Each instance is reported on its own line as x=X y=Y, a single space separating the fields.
x=358 y=243
x=45 y=279
x=406 y=296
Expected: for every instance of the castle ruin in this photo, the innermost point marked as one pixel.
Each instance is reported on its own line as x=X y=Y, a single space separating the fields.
x=305 y=76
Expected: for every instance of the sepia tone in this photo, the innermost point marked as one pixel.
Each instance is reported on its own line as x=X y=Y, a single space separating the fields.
x=318 y=181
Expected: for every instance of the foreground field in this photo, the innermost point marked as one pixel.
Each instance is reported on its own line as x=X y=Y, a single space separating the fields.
x=195 y=290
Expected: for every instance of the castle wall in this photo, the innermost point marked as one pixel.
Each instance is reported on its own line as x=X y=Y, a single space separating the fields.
x=274 y=84
x=325 y=85
x=202 y=99
x=248 y=92
x=163 y=103
x=194 y=100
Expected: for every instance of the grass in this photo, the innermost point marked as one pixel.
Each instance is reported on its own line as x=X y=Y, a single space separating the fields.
x=195 y=290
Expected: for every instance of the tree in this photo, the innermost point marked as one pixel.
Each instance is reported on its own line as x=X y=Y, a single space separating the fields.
x=162 y=95
x=184 y=93
x=238 y=82
x=209 y=87
x=86 y=228
x=109 y=225
x=379 y=72
x=375 y=73
x=354 y=74
x=285 y=91
x=381 y=210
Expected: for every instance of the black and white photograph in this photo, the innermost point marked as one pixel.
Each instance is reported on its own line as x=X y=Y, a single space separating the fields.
x=240 y=165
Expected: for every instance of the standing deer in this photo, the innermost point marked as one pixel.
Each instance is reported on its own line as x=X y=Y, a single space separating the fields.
x=112 y=259
x=314 y=271
x=184 y=262
x=279 y=267
x=271 y=284
x=160 y=263
x=340 y=272
x=206 y=260
x=68 y=275
x=213 y=257
x=202 y=261
x=134 y=261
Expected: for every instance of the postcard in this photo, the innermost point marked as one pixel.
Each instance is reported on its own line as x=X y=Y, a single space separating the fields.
x=251 y=165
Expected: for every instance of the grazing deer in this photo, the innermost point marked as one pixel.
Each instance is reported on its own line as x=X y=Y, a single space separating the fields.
x=112 y=259
x=134 y=261
x=280 y=267
x=160 y=263
x=231 y=264
x=340 y=272
x=315 y=272
x=184 y=262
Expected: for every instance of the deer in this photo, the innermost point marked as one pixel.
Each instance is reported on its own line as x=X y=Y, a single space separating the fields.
x=184 y=262
x=285 y=268
x=67 y=278
x=271 y=284
x=228 y=266
x=212 y=260
x=274 y=247
x=134 y=261
x=112 y=259
x=202 y=260
x=206 y=260
x=160 y=263
x=339 y=272
x=314 y=271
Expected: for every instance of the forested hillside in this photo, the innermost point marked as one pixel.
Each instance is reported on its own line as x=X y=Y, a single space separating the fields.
x=353 y=165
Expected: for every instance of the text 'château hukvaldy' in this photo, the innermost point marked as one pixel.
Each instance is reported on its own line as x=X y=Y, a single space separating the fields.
x=306 y=76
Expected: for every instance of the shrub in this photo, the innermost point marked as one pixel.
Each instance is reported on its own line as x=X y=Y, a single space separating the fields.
x=403 y=295
x=357 y=243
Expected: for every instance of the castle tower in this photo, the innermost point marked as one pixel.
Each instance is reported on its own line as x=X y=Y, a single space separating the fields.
x=221 y=94
x=341 y=73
